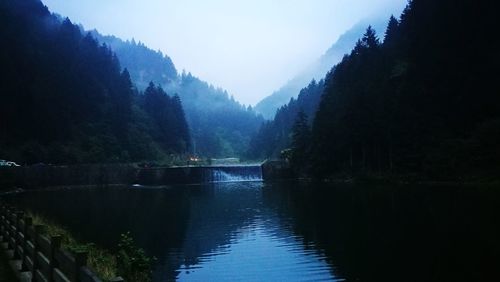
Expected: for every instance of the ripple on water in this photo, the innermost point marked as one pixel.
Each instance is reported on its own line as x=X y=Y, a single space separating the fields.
x=260 y=252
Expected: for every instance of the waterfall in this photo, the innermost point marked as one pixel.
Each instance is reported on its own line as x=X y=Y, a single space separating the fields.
x=233 y=174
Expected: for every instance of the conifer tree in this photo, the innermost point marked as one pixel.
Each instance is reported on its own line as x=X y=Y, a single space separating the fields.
x=301 y=135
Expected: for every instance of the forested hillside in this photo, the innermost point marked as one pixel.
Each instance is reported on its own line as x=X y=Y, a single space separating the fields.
x=64 y=98
x=144 y=65
x=220 y=126
x=423 y=102
x=276 y=135
x=318 y=69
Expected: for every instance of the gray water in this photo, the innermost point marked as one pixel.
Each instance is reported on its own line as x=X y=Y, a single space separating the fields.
x=291 y=231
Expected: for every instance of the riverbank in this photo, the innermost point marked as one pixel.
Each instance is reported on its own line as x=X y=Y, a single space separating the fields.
x=227 y=231
x=101 y=261
x=61 y=248
x=408 y=180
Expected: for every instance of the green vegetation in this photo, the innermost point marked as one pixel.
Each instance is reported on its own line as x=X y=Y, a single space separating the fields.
x=103 y=262
x=301 y=138
x=269 y=105
x=275 y=136
x=64 y=98
x=420 y=103
x=220 y=126
x=133 y=263
x=129 y=262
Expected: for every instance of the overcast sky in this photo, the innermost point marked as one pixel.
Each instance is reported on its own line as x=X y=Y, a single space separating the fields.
x=249 y=47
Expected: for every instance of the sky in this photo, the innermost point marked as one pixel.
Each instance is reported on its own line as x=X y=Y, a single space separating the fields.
x=248 y=47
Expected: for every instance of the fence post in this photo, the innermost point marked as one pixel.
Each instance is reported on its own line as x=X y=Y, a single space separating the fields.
x=2 y=221
x=55 y=245
x=38 y=231
x=28 y=221
x=80 y=260
x=15 y=229
x=17 y=236
x=5 y=225
x=11 y=229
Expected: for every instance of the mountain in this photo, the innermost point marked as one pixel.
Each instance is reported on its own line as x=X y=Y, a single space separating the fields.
x=275 y=135
x=144 y=65
x=423 y=103
x=65 y=99
x=268 y=106
x=220 y=126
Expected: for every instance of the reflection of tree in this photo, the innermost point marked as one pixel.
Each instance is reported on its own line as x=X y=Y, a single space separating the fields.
x=157 y=219
x=396 y=234
x=178 y=226
x=216 y=218
x=366 y=233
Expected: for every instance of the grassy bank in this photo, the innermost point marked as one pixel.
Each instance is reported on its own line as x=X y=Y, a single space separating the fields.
x=129 y=262
x=103 y=262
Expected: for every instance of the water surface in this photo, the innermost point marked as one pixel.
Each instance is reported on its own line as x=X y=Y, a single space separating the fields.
x=291 y=231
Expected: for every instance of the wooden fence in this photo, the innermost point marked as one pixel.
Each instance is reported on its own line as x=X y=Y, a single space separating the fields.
x=36 y=257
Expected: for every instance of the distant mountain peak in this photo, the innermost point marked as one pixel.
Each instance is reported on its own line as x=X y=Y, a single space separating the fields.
x=318 y=69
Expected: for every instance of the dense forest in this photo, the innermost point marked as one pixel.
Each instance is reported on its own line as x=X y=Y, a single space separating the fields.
x=275 y=136
x=220 y=126
x=318 y=69
x=419 y=102
x=144 y=64
x=422 y=102
x=64 y=98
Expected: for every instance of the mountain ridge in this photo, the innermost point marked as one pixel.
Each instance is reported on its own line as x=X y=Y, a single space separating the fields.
x=318 y=69
x=220 y=125
x=64 y=98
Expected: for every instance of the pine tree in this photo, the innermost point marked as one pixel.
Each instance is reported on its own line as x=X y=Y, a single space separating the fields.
x=181 y=125
x=391 y=31
x=370 y=39
x=301 y=135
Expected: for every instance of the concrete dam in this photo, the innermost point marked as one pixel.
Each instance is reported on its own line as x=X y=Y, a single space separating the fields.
x=34 y=177
x=198 y=174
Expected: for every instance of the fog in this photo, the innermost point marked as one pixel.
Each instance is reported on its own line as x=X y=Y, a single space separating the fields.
x=250 y=48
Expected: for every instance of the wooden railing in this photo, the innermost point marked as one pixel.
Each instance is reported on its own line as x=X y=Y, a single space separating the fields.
x=36 y=257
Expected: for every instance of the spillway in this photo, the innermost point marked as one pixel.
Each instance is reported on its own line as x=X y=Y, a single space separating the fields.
x=232 y=174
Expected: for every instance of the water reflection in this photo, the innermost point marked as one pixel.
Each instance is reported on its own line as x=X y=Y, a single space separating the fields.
x=246 y=239
x=387 y=233
x=292 y=231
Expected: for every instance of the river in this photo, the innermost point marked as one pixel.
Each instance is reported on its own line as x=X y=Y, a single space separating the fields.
x=291 y=231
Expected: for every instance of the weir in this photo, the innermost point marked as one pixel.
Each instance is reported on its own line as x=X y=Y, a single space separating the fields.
x=232 y=174
x=49 y=176
x=198 y=174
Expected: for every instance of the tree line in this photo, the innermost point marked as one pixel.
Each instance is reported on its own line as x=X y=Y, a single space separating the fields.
x=220 y=126
x=421 y=102
x=64 y=98
x=276 y=135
